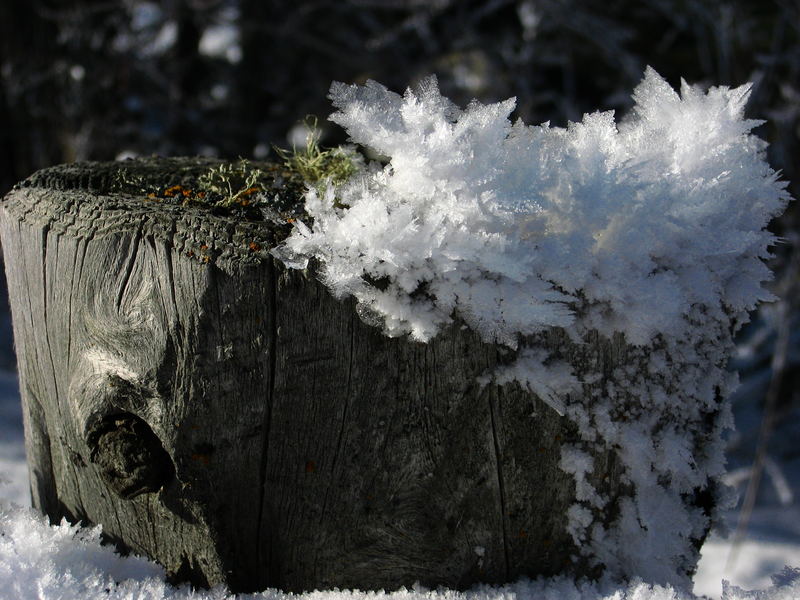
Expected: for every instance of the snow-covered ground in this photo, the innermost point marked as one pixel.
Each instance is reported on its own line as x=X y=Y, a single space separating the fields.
x=38 y=561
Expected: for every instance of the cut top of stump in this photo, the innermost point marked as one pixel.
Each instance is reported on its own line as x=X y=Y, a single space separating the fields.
x=164 y=198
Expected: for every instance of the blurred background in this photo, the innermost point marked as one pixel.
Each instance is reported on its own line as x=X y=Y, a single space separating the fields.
x=110 y=79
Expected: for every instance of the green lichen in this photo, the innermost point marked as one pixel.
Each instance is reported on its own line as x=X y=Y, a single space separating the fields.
x=245 y=187
x=132 y=183
x=316 y=166
x=219 y=185
x=228 y=184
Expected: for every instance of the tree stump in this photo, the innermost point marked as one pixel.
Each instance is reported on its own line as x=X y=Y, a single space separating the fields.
x=229 y=418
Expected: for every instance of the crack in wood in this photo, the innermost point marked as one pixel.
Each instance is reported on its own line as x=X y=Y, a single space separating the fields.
x=130 y=262
x=266 y=579
x=500 y=484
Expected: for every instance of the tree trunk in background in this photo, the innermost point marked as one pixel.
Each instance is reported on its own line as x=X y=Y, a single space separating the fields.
x=185 y=74
x=232 y=420
x=28 y=84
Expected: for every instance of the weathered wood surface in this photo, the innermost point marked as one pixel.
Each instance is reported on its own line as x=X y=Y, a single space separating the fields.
x=231 y=419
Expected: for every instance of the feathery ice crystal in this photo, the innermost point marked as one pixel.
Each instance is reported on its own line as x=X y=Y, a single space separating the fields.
x=517 y=227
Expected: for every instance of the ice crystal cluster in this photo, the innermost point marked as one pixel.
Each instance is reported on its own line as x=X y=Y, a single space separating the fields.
x=646 y=235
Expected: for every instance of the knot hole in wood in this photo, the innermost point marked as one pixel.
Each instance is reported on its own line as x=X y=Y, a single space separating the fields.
x=129 y=456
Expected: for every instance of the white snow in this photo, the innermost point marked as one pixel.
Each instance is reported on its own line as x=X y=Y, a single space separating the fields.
x=758 y=561
x=548 y=379
x=50 y=562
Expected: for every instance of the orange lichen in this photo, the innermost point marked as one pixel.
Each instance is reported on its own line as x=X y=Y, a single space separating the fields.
x=171 y=191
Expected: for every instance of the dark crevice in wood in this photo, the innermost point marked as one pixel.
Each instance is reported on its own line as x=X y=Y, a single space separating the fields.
x=191 y=571
x=77 y=280
x=267 y=561
x=52 y=495
x=170 y=269
x=122 y=531
x=45 y=231
x=340 y=438
x=43 y=473
x=500 y=484
x=428 y=378
x=131 y=261
x=46 y=327
x=73 y=281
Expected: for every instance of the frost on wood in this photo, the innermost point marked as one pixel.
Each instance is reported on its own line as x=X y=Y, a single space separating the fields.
x=651 y=228
x=612 y=227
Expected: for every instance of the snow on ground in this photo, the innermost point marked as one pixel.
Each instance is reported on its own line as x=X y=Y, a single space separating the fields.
x=772 y=540
x=65 y=562
x=758 y=560
x=48 y=562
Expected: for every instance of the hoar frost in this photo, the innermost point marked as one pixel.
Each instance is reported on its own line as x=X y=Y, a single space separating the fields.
x=647 y=233
x=518 y=227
